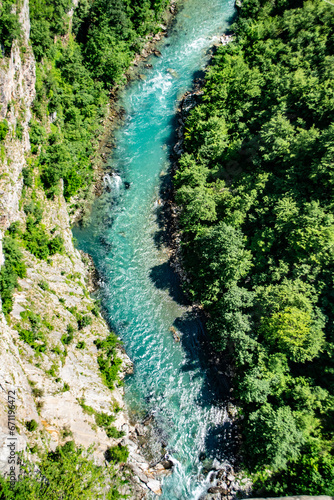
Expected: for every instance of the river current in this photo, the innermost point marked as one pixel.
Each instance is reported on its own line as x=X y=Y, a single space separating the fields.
x=140 y=292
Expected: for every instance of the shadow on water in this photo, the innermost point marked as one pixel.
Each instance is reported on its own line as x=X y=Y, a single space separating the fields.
x=164 y=278
x=199 y=354
x=218 y=441
x=215 y=388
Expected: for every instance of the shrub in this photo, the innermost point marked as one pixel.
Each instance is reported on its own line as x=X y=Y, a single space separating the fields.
x=19 y=131
x=117 y=453
x=66 y=339
x=84 y=321
x=28 y=176
x=13 y=268
x=31 y=425
x=38 y=393
x=108 y=361
x=37 y=135
x=68 y=473
x=44 y=285
x=56 y=245
x=3 y=129
x=10 y=27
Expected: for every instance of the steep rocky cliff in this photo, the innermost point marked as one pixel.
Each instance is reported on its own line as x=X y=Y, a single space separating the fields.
x=54 y=381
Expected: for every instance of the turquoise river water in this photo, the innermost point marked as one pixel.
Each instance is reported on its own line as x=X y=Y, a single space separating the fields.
x=140 y=292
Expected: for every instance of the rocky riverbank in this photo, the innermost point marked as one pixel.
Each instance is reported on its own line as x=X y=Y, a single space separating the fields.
x=59 y=388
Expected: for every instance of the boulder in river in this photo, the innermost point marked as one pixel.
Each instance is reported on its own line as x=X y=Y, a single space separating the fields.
x=167 y=464
x=154 y=486
x=172 y=72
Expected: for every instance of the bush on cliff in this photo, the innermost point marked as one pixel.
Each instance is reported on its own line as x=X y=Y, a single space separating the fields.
x=10 y=27
x=68 y=473
x=10 y=271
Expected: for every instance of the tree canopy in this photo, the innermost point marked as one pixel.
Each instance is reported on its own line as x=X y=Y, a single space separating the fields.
x=255 y=188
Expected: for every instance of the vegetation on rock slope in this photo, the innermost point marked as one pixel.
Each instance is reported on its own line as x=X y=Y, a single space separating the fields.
x=79 y=57
x=76 y=69
x=68 y=473
x=256 y=190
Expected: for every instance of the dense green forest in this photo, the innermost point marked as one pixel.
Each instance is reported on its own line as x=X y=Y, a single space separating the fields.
x=79 y=59
x=255 y=186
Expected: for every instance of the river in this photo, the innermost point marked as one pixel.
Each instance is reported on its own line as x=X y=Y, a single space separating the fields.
x=141 y=293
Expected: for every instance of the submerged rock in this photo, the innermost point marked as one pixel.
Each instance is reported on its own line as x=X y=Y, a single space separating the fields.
x=172 y=72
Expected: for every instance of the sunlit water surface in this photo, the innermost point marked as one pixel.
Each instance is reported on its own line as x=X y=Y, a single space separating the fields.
x=140 y=292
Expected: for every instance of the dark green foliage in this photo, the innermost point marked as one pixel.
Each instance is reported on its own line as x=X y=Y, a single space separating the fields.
x=96 y=309
x=69 y=91
x=110 y=32
x=31 y=425
x=117 y=454
x=102 y=420
x=28 y=176
x=81 y=344
x=87 y=409
x=36 y=237
x=312 y=471
x=37 y=135
x=112 y=432
x=108 y=361
x=105 y=421
x=44 y=285
x=83 y=321
x=10 y=28
x=56 y=245
x=256 y=191
x=68 y=473
x=3 y=129
x=14 y=229
x=67 y=338
x=38 y=393
x=47 y=20
x=71 y=79
x=224 y=261
x=19 y=131
x=280 y=439
x=13 y=268
x=33 y=334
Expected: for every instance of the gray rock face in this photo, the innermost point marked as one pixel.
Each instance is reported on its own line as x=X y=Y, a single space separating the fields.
x=49 y=387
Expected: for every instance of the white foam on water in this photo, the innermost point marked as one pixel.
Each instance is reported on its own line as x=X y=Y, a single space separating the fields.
x=106 y=180
x=114 y=181
x=117 y=181
x=168 y=379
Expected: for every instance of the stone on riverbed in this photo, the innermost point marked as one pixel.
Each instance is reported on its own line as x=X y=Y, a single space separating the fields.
x=154 y=486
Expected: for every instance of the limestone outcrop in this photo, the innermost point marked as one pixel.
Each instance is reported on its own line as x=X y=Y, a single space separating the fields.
x=60 y=388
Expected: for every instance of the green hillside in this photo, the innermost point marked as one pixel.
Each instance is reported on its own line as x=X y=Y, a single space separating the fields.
x=256 y=189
